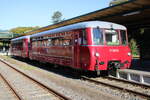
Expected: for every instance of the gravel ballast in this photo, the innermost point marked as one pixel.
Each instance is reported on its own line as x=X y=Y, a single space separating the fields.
x=73 y=88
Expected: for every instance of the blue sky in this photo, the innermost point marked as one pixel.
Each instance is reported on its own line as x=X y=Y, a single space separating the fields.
x=18 y=13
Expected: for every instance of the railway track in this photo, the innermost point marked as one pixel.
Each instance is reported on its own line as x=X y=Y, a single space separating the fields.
x=25 y=87
x=7 y=89
x=133 y=88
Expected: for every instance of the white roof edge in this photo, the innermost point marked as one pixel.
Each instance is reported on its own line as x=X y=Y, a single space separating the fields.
x=22 y=37
x=101 y=24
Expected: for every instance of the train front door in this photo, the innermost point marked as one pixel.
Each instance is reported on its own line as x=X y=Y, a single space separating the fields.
x=76 y=50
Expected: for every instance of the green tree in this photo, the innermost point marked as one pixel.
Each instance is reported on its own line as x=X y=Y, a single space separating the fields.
x=21 y=30
x=57 y=17
x=134 y=48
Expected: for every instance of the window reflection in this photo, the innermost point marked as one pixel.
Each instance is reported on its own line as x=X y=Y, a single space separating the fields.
x=112 y=37
x=123 y=37
x=97 y=36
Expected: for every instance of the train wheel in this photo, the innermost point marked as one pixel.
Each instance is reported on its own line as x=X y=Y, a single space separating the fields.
x=55 y=66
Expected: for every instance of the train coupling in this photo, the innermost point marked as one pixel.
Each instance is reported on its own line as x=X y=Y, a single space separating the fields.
x=115 y=65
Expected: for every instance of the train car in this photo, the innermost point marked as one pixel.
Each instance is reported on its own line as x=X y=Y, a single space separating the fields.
x=93 y=46
x=19 y=46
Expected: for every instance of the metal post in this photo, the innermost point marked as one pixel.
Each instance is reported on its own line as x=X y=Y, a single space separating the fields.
x=129 y=76
x=141 y=79
x=118 y=75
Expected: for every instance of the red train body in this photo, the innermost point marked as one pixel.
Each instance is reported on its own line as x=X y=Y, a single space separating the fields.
x=19 y=46
x=93 y=46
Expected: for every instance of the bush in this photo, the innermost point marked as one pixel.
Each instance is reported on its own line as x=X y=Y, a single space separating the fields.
x=134 y=47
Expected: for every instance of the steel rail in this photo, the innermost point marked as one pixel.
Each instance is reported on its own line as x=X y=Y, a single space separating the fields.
x=57 y=94
x=11 y=87
x=130 y=82
x=147 y=96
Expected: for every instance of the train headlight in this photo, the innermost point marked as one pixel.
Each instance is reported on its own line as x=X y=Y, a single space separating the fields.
x=129 y=53
x=97 y=54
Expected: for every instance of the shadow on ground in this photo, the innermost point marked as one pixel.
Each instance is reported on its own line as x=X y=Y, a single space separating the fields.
x=61 y=70
x=75 y=74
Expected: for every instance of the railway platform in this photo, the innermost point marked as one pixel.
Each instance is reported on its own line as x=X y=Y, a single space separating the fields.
x=139 y=72
x=141 y=65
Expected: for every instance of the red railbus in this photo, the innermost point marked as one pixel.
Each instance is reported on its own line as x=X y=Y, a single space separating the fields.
x=19 y=46
x=93 y=46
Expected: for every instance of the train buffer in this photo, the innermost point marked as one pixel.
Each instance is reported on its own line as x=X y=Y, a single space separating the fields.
x=134 y=75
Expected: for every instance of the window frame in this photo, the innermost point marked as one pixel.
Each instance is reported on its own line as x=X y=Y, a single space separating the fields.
x=103 y=39
x=118 y=31
x=126 y=37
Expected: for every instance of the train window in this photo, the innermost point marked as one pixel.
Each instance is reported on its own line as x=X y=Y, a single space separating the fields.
x=56 y=41
x=33 y=44
x=43 y=43
x=67 y=40
x=61 y=42
x=84 y=39
x=112 y=37
x=36 y=43
x=123 y=37
x=97 y=36
x=49 y=42
x=39 y=43
x=46 y=42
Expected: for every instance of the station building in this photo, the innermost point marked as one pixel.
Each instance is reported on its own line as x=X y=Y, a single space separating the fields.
x=5 y=38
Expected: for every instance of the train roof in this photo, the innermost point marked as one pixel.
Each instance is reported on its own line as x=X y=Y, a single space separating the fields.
x=100 y=24
x=20 y=38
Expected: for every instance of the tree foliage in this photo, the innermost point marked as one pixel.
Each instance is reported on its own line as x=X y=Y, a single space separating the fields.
x=134 y=47
x=21 y=30
x=57 y=17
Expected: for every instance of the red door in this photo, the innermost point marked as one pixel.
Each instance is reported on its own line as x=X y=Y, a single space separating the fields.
x=76 y=51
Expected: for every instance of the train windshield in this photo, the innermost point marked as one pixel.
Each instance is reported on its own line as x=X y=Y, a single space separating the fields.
x=97 y=36
x=123 y=37
x=112 y=37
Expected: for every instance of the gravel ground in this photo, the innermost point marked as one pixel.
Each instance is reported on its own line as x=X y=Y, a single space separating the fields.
x=5 y=92
x=70 y=87
x=74 y=88
x=123 y=95
x=25 y=87
x=127 y=85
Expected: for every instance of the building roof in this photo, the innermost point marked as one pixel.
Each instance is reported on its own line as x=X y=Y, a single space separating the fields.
x=133 y=13
x=6 y=36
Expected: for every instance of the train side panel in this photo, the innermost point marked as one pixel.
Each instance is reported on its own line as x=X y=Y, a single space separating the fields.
x=107 y=55
x=19 y=47
x=59 y=49
x=90 y=46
